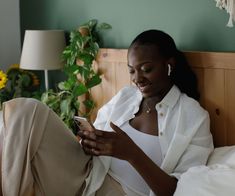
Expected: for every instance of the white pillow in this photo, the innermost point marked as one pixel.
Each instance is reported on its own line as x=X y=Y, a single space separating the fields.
x=223 y=155
x=217 y=178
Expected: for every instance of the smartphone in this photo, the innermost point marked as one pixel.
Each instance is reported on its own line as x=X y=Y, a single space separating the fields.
x=83 y=123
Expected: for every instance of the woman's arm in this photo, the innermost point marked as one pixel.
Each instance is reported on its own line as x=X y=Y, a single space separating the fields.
x=160 y=182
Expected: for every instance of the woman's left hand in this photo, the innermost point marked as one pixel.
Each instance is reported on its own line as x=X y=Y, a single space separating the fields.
x=116 y=144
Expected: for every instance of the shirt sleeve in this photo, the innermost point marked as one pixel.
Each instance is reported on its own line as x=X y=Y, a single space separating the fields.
x=115 y=108
x=199 y=149
x=105 y=112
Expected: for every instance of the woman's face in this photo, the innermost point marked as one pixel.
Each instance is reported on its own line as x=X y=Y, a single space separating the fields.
x=148 y=70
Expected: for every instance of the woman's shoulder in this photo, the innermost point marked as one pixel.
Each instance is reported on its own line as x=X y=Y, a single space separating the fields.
x=191 y=105
x=128 y=91
x=177 y=99
x=126 y=94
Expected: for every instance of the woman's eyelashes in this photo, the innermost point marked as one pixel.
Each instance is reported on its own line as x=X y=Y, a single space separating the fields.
x=143 y=69
x=146 y=69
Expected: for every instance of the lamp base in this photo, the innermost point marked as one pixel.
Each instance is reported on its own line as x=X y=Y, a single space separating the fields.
x=46 y=79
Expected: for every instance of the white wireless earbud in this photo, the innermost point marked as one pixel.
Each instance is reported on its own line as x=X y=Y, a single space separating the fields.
x=169 y=69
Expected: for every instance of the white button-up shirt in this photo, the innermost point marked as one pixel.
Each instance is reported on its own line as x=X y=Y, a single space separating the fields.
x=184 y=131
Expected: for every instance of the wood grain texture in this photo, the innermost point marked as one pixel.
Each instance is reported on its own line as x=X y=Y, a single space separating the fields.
x=216 y=81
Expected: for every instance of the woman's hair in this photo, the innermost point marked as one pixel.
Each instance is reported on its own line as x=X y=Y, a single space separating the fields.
x=182 y=74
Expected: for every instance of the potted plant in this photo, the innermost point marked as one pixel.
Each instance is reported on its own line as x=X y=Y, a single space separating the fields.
x=18 y=83
x=74 y=93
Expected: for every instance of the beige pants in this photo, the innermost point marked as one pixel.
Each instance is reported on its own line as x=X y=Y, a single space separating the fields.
x=41 y=156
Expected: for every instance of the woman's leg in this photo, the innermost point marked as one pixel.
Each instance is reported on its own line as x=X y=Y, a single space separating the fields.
x=40 y=154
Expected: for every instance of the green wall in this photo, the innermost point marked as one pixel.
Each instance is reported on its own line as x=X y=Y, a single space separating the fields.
x=194 y=24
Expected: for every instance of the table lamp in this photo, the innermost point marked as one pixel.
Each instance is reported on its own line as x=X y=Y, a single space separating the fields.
x=42 y=50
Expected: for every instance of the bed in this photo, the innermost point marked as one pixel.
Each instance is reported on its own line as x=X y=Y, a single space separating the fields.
x=216 y=77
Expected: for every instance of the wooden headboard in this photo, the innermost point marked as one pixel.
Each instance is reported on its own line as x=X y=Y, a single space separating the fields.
x=216 y=77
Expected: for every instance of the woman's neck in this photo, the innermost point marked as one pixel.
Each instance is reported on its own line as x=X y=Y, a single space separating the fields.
x=153 y=100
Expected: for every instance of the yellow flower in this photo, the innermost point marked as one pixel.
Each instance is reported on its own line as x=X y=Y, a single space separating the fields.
x=3 y=79
x=14 y=66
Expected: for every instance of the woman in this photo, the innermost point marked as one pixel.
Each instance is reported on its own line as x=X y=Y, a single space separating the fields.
x=143 y=139
x=159 y=130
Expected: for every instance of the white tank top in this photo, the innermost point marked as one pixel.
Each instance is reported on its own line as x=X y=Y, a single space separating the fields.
x=124 y=173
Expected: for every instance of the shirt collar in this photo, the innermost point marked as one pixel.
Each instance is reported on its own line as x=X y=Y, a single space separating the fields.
x=171 y=97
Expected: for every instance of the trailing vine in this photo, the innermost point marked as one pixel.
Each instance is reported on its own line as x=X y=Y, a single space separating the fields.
x=81 y=77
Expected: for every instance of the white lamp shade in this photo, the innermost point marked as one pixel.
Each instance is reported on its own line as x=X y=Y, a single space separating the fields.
x=42 y=50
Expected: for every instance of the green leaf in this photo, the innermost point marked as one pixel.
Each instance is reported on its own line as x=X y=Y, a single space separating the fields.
x=70 y=69
x=94 y=49
x=24 y=80
x=72 y=80
x=92 y=23
x=104 y=26
x=90 y=104
x=87 y=58
x=76 y=104
x=44 y=97
x=84 y=71
x=95 y=80
x=85 y=40
x=54 y=105
x=51 y=100
x=64 y=86
x=65 y=105
x=79 y=90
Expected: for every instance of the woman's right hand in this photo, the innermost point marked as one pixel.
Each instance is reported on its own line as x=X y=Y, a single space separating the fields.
x=116 y=143
x=85 y=135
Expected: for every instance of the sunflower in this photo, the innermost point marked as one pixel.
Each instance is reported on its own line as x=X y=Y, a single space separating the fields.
x=14 y=66
x=3 y=79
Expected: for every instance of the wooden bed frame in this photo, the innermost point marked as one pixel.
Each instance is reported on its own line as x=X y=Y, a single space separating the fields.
x=216 y=77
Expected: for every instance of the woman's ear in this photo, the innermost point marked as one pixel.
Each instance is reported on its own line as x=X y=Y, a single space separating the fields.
x=170 y=63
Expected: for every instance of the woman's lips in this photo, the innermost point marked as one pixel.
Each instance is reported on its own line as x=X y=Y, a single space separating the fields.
x=143 y=88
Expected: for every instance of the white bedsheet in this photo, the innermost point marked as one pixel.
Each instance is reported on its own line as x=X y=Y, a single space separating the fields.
x=215 y=179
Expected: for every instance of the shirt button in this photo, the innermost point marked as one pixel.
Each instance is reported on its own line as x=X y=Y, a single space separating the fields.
x=161 y=133
x=161 y=114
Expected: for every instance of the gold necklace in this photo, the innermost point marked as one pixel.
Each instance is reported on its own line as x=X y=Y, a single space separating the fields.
x=148 y=111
